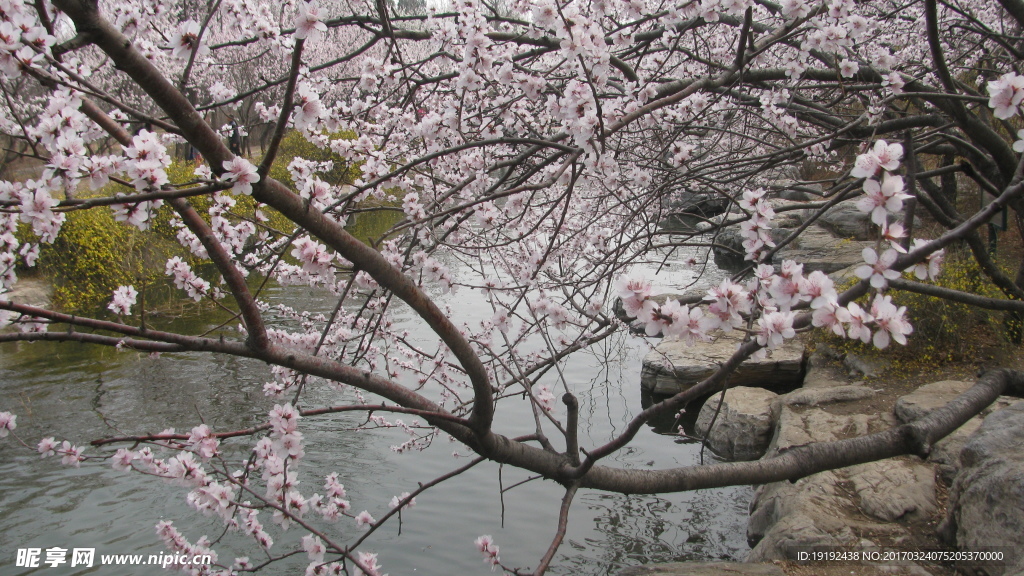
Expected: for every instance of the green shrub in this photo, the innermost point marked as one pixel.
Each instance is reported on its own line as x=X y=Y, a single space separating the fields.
x=295 y=145
x=944 y=331
x=94 y=254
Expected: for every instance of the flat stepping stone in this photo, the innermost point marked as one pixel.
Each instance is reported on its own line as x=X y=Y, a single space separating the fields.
x=674 y=367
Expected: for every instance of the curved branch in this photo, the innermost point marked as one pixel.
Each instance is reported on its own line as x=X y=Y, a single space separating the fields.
x=286 y=110
x=254 y=325
x=106 y=37
x=957 y=296
x=917 y=437
x=563 y=524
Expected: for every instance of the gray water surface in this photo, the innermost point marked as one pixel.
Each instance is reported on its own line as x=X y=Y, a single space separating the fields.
x=80 y=392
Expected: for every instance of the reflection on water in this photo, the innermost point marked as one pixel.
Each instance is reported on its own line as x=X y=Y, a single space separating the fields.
x=81 y=392
x=371 y=226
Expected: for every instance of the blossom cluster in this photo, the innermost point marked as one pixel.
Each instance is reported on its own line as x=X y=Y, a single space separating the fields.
x=485 y=544
x=771 y=297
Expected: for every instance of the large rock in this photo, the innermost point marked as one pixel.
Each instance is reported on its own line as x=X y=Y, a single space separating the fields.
x=660 y=299
x=894 y=489
x=799 y=427
x=743 y=428
x=986 y=501
x=704 y=569
x=867 y=367
x=787 y=215
x=794 y=190
x=821 y=370
x=820 y=396
x=921 y=402
x=704 y=204
x=845 y=220
x=946 y=452
x=813 y=512
x=815 y=248
x=673 y=366
x=31 y=291
x=788 y=518
x=927 y=398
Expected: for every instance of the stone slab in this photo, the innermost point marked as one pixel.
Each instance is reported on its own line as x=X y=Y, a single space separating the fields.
x=673 y=366
x=744 y=425
x=986 y=501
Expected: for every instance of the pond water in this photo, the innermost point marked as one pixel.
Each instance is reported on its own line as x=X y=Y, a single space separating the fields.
x=81 y=392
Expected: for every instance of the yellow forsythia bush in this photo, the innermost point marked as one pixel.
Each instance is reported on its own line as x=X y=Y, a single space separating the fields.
x=94 y=254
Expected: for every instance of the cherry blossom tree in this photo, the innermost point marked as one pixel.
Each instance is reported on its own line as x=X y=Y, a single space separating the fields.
x=539 y=144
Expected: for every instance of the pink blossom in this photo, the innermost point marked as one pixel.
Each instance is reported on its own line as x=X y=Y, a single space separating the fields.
x=847 y=68
x=894 y=82
x=8 y=422
x=184 y=469
x=36 y=205
x=727 y=302
x=203 y=441
x=882 y=155
x=138 y=214
x=633 y=290
x=123 y=300
x=928 y=269
x=878 y=269
x=71 y=454
x=284 y=419
x=485 y=544
x=308 y=24
x=314 y=256
x=894 y=234
x=832 y=316
x=858 y=319
x=412 y=207
x=789 y=287
x=186 y=39
x=1005 y=95
x=795 y=9
x=242 y=173
x=291 y=444
x=890 y=320
x=687 y=324
x=185 y=279
x=1018 y=145
x=47 y=447
x=881 y=199
x=147 y=161
x=308 y=107
x=122 y=460
x=314 y=547
x=364 y=520
x=819 y=288
x=368 y=560
x=333 y=487
x=544 y=397
x=751 y=199
x=396 y=501
x=774 y=328
x=500 y=320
